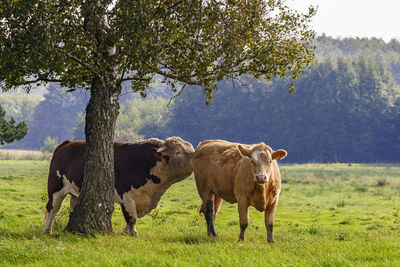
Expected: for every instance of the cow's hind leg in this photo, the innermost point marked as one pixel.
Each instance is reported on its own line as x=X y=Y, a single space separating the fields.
x=52 y=208
x=208 y=204
x=128 y=207
x=207 y=208
x=210 y=215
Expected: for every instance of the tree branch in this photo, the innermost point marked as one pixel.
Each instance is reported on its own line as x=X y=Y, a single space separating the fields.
x=134 y=79
x=175 y=77
x=74 y=58
x=40 y=80
x=180 y=91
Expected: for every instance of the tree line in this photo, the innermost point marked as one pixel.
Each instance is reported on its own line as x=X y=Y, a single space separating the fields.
x=345 y=109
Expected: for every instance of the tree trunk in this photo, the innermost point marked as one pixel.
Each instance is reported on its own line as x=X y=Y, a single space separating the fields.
x=95 y=205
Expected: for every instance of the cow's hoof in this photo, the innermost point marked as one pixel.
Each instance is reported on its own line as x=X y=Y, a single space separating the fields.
x=135 y=234
x=130 y=232
x=241 y=238
x=271 y=241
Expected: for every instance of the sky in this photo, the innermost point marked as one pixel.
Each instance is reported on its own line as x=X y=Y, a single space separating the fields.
x=354 y=18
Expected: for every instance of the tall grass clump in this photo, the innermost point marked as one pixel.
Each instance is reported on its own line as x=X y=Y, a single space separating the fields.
x=13 y=154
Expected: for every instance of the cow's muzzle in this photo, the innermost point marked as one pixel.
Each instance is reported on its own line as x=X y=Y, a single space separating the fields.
x=261 y=178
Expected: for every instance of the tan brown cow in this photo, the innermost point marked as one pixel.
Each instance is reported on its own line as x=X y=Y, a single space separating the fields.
x=143 y=172
x=243 y=174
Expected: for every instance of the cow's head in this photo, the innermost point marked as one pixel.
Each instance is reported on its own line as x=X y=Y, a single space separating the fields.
x=261 y=157
x=177 y=156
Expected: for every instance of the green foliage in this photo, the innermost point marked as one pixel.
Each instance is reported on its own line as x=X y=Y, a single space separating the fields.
x=310 y=230
x=9 y=130
x=49 y=145
x=57 y=116
x=344 y=110
x=142 y=118
x=387 y=53
x=194 y=42
x=20 y=106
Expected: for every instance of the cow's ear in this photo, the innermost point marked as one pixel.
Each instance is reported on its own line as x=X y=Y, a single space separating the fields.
x=279 y=154
x=244 y=151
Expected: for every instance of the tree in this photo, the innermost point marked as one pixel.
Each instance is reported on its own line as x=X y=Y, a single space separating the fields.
x=141 y=119
x=99 y=44
x=56 y=116
x=49 y=145
x=9 y=131
x=343 y=111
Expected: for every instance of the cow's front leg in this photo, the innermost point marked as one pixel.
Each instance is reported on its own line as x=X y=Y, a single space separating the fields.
x=244 y=219
x=269 y=220
x=130 y=214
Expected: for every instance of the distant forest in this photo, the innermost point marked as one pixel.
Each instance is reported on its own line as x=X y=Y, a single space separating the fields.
x=345 y=109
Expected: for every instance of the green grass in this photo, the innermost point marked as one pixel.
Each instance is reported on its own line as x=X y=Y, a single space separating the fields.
x=328 y=215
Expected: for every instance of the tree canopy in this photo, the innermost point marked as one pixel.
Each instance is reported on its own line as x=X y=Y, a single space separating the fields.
x=195 y=42
x=9 y=130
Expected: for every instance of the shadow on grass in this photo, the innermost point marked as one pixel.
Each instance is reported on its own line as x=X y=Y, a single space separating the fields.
x=189 y=239
x=34 y=232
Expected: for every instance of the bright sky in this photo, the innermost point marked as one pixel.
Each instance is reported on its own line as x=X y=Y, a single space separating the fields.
x=354 y=18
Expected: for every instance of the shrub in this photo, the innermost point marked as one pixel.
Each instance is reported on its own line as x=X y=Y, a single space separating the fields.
x=49 y=145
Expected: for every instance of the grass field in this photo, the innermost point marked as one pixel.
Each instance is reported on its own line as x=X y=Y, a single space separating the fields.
x=328 y=215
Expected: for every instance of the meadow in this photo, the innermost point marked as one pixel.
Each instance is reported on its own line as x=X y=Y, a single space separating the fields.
x=328 y=215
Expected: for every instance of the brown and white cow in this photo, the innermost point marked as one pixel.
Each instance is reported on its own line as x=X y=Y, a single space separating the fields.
x=143 y=172
x=243 y=174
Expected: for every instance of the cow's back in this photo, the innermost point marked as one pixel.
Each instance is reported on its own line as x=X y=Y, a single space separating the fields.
x=215 y=153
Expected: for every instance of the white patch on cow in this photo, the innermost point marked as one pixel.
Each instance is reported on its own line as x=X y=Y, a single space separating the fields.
x=255 y=154
x=70 y=187
x=58 y=174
